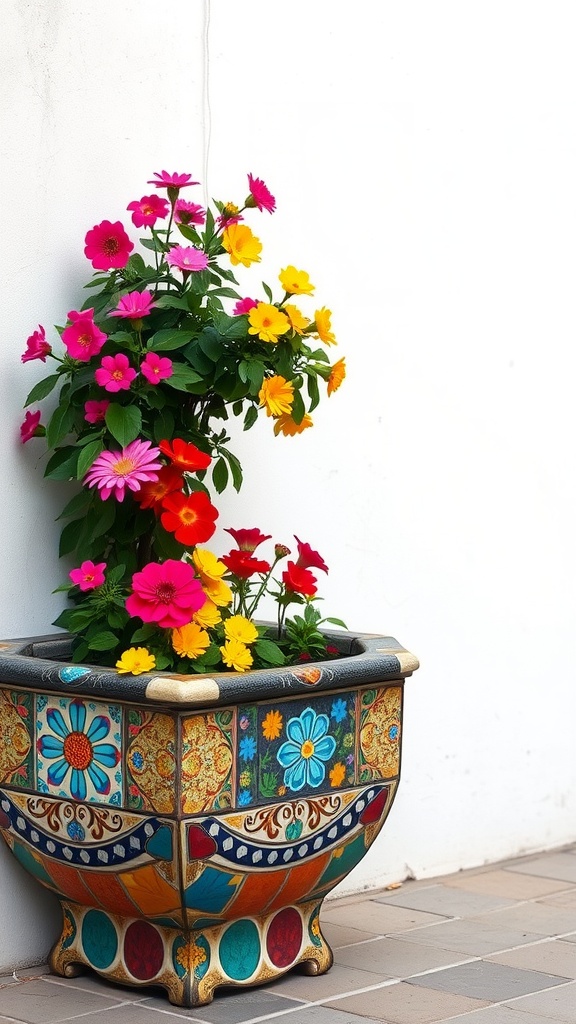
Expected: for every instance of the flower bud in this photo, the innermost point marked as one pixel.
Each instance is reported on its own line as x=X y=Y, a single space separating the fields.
x=281 y=551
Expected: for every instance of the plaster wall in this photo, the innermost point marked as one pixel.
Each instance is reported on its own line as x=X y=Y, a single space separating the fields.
x=423 y=157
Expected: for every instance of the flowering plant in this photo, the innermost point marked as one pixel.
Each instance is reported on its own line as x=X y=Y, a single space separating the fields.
x=153 y=365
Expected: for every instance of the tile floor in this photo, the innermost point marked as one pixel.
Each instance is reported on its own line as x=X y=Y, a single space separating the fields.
x=496 y=945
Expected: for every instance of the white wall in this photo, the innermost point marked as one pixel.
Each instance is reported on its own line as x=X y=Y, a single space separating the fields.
x=423 y=157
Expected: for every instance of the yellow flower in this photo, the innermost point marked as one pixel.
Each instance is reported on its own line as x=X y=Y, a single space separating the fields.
x=241 y=245
x=218 y=592
x=208 y=615
x=190 y=641
x=276 y=395
x=272 y=725
x=238 y=627
x=267 y=322
x=190 y=956
x=236 y=655
x=207 y=565
x=337 y=375
x=136 y=660
x=337 y=775
x=298 y=322
x=295 y=282
x=323 y=325
x=287 y=426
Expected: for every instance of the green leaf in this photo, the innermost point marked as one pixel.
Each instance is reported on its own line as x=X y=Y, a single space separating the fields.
x=267 y=291
x=87 y=455
x=181 y=377
x=61 y=423
x=163 y=425
x=116 y=574
x=220 y=475
x=172 y=302
x=168 y=341
x=255 y=375
x=105 y=519
x=269 y=652
x=79 y=503
x=42 y=388
x=124 y=422
x=140 y=636
x=250 y=417
x=137 y=266
x=313 y=391
x=211 y=346
x=104 y=641
x=62 y=465
x=336 y=622
x=69 y=537
x=298 y=408
x=230 y=326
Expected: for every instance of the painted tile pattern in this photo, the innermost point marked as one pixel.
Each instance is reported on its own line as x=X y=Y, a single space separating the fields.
x=151 y=761
x=79 y=749
x=207 y=759
x=16 y=738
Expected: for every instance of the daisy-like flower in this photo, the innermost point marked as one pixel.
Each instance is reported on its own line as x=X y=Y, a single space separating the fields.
x=308 y=558
x=89 y=575
x=323 y=324
x=189 y=213
x=337 y=375
x=156 y=368
x=146 y=211
x=82 y=338
x=152 y=494
x=115 y=373
x=164 y=179
x=73 y=745
x=295 y=282
x=241 y=245
x=299 y=581
x=36 y=346
x=135 y=661
x=208 y=567
x=268 y=322
x=134 y=305
x=95 y=412
x=272 y=725
x=166 y=593
x=187 y=258
x=185 y=455
x=248 y=540
x=298 y=322
x=276 y=395
x=287 y=426
x=209 y=614
x=337 y=775
x=260 y=195
x=236 y=656
x=306 y=750
x=190 y=641
x=107 y=246
x=113 y=472
x=31 y=427
x=238 y=627
x=218 y=592
x=244 y=306
x=191 y=518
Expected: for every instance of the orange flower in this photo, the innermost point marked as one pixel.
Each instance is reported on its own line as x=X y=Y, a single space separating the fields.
x=337 y=775
x=298 y=322
x=337 y=375
x=241 y=245
x=190 y=519
x=153 y=493
x=287 y=426
x=323 y=325
x=276 y=395
x=272 y=725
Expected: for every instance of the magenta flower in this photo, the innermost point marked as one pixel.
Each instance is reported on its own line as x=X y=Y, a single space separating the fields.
x=31 y=426
x=244 y=306
x=189 y=213
x=36 y=346
x=156 y=368
x=166 y=593
x=113 y=472
x=82 y=338
x=115 y=373
x=89 y=575
x=187 y=258
x=174 y=180
x=107 y=246
x=260 y=195
x=146 y=211
x=95 y=412
x=134 y=305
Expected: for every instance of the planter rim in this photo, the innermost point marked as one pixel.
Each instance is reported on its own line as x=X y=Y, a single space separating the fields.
x=40 y=663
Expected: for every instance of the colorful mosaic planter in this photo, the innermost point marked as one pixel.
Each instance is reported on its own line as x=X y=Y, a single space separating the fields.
x=191 y=826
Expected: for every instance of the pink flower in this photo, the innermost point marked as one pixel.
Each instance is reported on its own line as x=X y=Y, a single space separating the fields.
x=244 y=306
x=166 y=593
x=107 y=246
x=36 y=346
x=308 y=558
x=31 y=426
x=260 y=195
x=95 y=412
x=115 y=373
x=174 y=180
x=112 y=472
x=187 y=257
x=134 y=305
x=83 y=339
x=156 y=368
x=88 y=576
x=189 y=213
x=146 y=211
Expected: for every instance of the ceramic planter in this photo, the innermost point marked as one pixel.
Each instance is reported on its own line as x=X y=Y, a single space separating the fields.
x=191 y=826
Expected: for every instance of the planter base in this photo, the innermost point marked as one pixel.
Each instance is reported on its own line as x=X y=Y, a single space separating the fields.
x=191 y=964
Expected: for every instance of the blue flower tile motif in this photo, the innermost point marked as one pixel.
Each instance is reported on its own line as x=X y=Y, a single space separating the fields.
x=308 y=747
x=247 y=748
x=339 y=710
x=73 y=759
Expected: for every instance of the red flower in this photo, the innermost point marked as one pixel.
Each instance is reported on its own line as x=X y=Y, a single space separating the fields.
x=248 y=540
x=308 y=558
x=243 y=565
x=185 y=455
x=299 y=580
x=190 y=519
x=152 y=494
x=107 y=246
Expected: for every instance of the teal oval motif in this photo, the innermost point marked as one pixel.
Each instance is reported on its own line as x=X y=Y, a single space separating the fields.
x=294 y=830
x=99 y=939
x=72 y=672
x=239 y=950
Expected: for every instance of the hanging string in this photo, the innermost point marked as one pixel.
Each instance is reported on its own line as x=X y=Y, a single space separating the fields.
x=206 y=109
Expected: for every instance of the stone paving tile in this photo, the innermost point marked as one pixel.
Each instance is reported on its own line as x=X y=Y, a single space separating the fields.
x=475 y=936
x=569 y=938
x=561 y=899
x=38 y=1002
x=396 y=959
x=512 y=884
x=339 y=981
x=230 y=1006
x=550 y=865
x=500 y=1015
x=484 y=980
x=558 y=1003
x=446 y=902
x=535 y=917
x=379 y=918
x=11 y=1020
x=92 y=982
x=554 y=957
x=343 y=935
x=406 y=1004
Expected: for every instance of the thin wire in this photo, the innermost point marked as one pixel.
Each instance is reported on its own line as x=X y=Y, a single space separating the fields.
x=206 y=108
